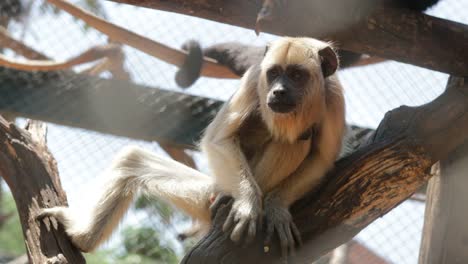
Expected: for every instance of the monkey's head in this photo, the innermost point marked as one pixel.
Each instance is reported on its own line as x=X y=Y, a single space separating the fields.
x=293 y=82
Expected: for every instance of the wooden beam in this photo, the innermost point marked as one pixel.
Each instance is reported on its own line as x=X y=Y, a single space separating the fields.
x=363 y=186
x=445 y=232
x=31 y=173
x=395 y=34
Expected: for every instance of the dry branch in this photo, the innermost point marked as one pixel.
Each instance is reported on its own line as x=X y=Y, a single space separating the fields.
x=395 y=34
x=173 y=56
x=93 y=54
x=31 y=173
x=7 y=41
x=363 y=186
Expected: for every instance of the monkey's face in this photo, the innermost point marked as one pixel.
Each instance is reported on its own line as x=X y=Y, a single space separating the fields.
x=292 y=74
x=292 y=85
x=287 y=84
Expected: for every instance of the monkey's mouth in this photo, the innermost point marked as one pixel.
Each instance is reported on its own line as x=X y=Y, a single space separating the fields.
x=281 y=107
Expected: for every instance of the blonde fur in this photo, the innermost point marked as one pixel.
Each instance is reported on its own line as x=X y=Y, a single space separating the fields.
x=254 y=155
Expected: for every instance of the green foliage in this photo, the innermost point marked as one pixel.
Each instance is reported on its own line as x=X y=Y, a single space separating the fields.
x=93 y=6
x=155 y=206
x=11 y=235
x=145 y=241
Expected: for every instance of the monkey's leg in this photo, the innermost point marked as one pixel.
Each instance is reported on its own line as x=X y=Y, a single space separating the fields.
x=135 y=170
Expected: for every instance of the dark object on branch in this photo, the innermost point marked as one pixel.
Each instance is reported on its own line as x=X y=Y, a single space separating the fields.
x=191 y=69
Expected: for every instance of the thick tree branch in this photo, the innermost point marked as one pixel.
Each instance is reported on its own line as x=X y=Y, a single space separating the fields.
x=364 y=185
x=31 y=173
x=394 y=34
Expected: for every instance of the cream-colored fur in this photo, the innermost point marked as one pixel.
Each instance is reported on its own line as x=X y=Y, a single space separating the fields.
x=265 y=172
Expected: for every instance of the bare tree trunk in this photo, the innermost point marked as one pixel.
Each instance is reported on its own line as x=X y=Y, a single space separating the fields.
x=31 y=173
x=445 y=232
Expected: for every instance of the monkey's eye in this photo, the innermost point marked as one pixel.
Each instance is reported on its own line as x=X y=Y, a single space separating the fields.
x=273 y=73
x=296 y=75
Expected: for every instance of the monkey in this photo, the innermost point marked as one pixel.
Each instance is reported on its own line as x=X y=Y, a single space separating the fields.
x=239 y=57
x=270 y=143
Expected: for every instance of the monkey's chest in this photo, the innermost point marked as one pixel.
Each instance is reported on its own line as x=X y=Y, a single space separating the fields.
x=270 y=161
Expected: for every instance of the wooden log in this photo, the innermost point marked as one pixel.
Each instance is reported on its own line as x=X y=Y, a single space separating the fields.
x=445 y=232
x=30 y=172
x=364 y=185
x=395 y=34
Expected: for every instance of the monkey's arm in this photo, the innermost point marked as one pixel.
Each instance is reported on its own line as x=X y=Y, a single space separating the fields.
x=228 y=163
x=307 y=176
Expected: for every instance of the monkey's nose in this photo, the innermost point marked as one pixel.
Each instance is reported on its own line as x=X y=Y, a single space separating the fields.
x=279 y=92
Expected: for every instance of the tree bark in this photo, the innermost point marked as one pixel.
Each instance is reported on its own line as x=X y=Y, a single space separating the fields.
x=31 y=173
x=445 y=232
x=364 y=185
x=395 y=34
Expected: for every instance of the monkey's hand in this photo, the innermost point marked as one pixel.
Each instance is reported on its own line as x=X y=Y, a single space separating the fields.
x=244 y=215
x=279 y=219
x=271 y=10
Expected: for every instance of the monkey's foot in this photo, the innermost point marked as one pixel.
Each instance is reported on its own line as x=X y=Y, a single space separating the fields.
x=244 y=215
x=65 y=217
x=279 y=220
x=271 y=10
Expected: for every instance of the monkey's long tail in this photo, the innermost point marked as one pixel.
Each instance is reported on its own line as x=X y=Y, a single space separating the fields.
x=135 y=170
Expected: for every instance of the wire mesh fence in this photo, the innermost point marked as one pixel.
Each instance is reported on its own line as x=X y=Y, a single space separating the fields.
x=82 y=154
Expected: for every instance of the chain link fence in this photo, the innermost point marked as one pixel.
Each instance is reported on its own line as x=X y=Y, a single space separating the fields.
x=83 y=154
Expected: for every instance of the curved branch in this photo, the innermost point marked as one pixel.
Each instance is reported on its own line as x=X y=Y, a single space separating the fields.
x=364 y=185
x=93 y=54
x=173 y=56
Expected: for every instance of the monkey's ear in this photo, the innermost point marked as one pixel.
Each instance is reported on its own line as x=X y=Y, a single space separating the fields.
x=329 y=61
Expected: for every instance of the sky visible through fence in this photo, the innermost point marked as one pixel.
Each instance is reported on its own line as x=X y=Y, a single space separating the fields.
x=370 y=92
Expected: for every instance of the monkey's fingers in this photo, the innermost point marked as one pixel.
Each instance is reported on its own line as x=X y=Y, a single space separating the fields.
x=220 y=200
x=229 y=221
x=290 y=240
x=239 y=230
x=283 y=239
x=270 y=229
x=296 y=234
x=57 y=212
x=251 y=231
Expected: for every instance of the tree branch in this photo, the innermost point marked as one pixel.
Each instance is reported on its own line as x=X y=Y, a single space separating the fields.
x=93 y=54
x=153 y=48
x=364 y=185
x=395 y=34
x=31 y=173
